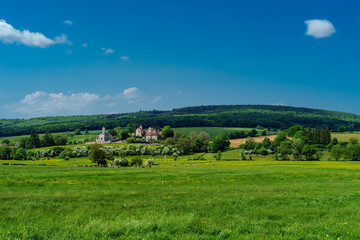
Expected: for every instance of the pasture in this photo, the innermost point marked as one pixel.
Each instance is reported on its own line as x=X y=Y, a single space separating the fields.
x=261 y=199
x=344 y=137
x=71 y=137
x=213 y=131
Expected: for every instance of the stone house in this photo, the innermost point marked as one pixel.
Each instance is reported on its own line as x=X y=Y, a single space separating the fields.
x=150 y=134
x=104 y=137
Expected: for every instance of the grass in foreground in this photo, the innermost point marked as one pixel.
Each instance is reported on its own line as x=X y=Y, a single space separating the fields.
x=228 y=200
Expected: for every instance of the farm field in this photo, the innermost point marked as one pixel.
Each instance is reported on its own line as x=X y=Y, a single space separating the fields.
x=344 y=137
x=213 y=131
x=237 y=142
x=92 y=136
x=261 y=199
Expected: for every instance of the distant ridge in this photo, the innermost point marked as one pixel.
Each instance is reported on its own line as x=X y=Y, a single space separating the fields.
x=211 y=116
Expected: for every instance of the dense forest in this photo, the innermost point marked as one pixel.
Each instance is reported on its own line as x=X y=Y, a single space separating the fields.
x=200 y=116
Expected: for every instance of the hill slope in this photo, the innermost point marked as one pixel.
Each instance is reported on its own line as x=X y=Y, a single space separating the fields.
x=213 y=116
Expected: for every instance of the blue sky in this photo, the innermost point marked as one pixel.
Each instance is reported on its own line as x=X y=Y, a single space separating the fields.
x=87 y=57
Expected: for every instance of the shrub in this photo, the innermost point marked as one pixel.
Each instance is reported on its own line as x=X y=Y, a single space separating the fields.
x=137 y=161
x=150 y=162
x=123 y=162
x=263 y=151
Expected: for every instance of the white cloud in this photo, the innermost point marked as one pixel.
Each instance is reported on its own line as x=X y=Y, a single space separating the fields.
x=42 y=103
x=319 y=28
x=69 y=51
x=131 y=94
x=158 y=98
x=84 y=45
x=8 y=35
x=107 y=51
x=125 y=58
x=68 y=22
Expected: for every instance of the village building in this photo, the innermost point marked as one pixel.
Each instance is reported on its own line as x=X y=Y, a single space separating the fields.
x=150 y=134
x=104 y=137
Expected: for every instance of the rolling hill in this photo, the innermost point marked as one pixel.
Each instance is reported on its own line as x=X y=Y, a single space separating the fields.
x=199 y=116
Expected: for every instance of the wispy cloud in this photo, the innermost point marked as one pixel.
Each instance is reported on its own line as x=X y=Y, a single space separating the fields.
x=68 y=22
x=319 y=28
x=158 y=98
x=8 y=35
x=69 y=51
x=84 y=45
x=125 y=58
x=107 y=51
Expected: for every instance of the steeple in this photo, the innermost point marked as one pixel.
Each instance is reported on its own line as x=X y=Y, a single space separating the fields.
x=103 y=130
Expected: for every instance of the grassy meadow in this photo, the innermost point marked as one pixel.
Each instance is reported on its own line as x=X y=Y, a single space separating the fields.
x=213 y=131
x=344 y=137
x=71 y=137
x=206 y=199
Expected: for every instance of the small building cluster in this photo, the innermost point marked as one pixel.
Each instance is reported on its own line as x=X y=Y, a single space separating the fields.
x=150 y=134
x=104 y=137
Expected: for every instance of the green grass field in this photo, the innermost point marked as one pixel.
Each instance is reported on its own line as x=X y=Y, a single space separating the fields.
x=91 y=136
x=228 y=200
x=213 y=131
x=344 y=137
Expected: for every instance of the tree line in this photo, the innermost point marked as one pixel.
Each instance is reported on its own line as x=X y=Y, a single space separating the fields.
x=248 y=116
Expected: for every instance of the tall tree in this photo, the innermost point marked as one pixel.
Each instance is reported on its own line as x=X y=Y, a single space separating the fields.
x=167 y=132
x=48 y=139
x=33 y=141
x=220 y=142
x=97 y=154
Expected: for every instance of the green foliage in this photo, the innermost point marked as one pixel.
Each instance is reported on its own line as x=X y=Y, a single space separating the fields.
x=20 y=154
x=294 y=129
x=337 y=152
x=248 y=116
x=199 y=145
x=266 y=143
x=124 y=134
x=5 y=153
x=262 y=151
x=137 y=161
x=297 y=148
x=77 y=131
x=60 y=139
x=252 y=133
x=113 y=133
x=33 y=141
x=123 y=162
x=341 y=129
x=185 y=145
x=150 y=162
x=167 y=132
x=5 y=141
x=281 y=137
x=170 y=141
x=48 y=140
x=218 y=155
x=220 y=142
x=97 y=154
x=319 y=135
x=285 y=149
x=309 y=151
